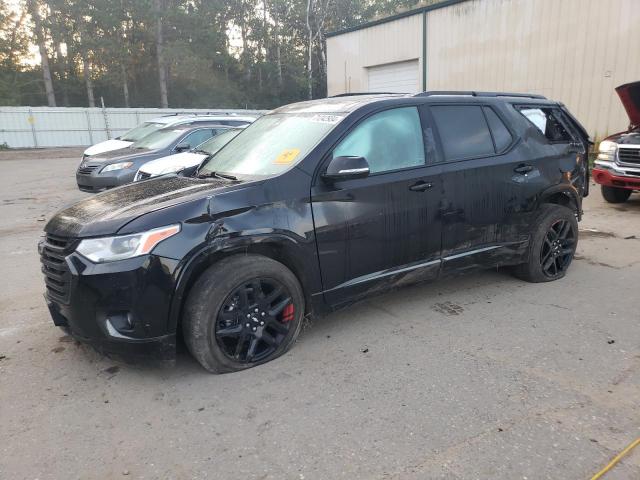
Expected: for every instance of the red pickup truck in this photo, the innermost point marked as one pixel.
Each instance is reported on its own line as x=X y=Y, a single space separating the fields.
x=617 y=167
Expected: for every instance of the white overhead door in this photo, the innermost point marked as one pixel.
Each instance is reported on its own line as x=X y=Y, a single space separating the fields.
x=400 y=77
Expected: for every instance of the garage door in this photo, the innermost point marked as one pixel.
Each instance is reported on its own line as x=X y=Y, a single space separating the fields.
x=400 y=77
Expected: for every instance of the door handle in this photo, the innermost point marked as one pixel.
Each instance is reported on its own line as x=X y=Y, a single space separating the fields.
x=420 y=186
x=523 y=169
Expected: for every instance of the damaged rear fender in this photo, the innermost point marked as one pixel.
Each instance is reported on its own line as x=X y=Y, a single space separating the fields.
x=564 y=194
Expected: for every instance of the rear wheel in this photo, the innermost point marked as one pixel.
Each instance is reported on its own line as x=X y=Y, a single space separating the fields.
x=615 y=195
x=243 y=311
x=552 y=246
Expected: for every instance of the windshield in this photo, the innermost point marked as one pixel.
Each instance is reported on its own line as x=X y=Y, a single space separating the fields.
x=214 y=144
x=158 y=139
x=272 y=144
x=141 y=131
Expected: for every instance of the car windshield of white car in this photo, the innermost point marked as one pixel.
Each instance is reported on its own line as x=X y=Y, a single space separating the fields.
x=159 y=139
x=141 y=131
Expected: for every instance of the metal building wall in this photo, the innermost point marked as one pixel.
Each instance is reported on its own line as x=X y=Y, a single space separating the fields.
x=349 y=54
x=25 y=127
x=575 y=51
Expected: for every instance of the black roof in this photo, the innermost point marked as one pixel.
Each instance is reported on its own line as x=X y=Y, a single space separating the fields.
x=347 y=103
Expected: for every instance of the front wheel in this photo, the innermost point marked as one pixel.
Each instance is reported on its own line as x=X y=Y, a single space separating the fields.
x=243 y=311
x=615 y=194
x=552 y=246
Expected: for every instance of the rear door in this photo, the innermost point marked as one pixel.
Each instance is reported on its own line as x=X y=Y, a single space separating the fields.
x=372 y=232
x=484 y=200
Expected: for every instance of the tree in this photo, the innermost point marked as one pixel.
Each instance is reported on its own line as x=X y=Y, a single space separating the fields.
x=34 y=10
x=202 y=53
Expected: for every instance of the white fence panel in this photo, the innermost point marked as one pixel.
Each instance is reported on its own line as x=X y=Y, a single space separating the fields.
x=28 y=127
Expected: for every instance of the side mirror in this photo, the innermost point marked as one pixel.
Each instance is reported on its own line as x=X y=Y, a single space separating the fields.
x=344 y=168
x=182 y=147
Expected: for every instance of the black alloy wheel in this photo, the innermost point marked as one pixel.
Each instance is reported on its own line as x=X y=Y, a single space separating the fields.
x=552 y=245
x=558 y=247
x=254 y=320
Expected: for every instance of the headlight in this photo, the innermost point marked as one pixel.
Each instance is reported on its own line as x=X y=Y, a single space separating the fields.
x=110 y=249
x=116 y=166
x=607 y=150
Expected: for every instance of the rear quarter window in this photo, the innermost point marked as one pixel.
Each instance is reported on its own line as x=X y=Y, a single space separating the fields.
x=463 y=131
x=548 y=122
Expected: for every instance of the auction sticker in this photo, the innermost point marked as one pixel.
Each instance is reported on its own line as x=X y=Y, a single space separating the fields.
x=287 y=156
x=326 y=118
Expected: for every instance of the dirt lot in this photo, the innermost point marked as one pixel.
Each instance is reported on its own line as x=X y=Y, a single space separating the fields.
x=483 y=377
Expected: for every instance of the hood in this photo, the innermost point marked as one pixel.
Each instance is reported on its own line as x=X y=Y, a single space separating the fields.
x=173 y=163
x=106 y=146
x=107 y=212
x=629 y=94
x=123 y=154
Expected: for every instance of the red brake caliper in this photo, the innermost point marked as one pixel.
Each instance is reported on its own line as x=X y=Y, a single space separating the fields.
x=288 y=313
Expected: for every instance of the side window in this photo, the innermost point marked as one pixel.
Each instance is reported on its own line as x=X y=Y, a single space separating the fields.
x=463 y=131
x=547 y=120
x=501 y=135
x=389 y=140
x=196 y=138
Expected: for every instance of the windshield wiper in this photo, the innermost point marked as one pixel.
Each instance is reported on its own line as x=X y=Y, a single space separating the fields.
x=198 y=150
x=217 y=175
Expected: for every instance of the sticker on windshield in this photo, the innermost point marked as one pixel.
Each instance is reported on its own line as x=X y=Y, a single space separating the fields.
x=287 y=156
x=325 y=118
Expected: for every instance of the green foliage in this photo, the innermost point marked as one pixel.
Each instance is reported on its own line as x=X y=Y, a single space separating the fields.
x=217 y=53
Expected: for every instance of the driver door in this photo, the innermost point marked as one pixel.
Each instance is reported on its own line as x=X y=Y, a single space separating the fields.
x=372 y=232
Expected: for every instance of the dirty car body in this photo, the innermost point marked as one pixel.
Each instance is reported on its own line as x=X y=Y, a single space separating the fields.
x=343 y=225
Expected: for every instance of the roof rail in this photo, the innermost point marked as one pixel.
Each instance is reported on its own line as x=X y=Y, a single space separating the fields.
x=214 y=112
x=365 y=93
x=479 y=94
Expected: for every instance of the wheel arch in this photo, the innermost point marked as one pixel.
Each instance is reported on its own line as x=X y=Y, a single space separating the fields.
x=564 y=195
x=280 y=248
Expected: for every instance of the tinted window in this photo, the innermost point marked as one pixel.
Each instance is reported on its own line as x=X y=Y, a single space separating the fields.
x=547 y=120
x=389 y=140
x=196 y=138
x=501 y=135
x=463 y=131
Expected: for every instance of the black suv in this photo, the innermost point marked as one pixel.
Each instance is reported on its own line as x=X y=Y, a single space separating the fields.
x=313 y=206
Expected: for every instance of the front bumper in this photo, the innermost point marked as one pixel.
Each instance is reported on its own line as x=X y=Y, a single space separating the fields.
x=610 y=174
x=96 y=181
x=120 y=307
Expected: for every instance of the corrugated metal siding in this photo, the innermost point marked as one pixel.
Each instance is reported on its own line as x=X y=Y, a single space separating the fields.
x=349 y=55
x=23 y=127
x=574 y=51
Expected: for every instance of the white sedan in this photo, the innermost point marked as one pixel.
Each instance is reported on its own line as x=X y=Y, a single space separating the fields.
x=182 y=161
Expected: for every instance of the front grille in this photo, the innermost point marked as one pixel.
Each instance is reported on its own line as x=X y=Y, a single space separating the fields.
x=629 y=155
x=143 y=176
x=87 y=169
x=56 y=272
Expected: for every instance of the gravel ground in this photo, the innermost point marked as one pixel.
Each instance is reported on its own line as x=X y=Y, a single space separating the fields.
x=482 y=377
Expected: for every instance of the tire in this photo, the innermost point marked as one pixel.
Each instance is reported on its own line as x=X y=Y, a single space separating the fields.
x=615 y=195
x=214 y=316
x=549 y=256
